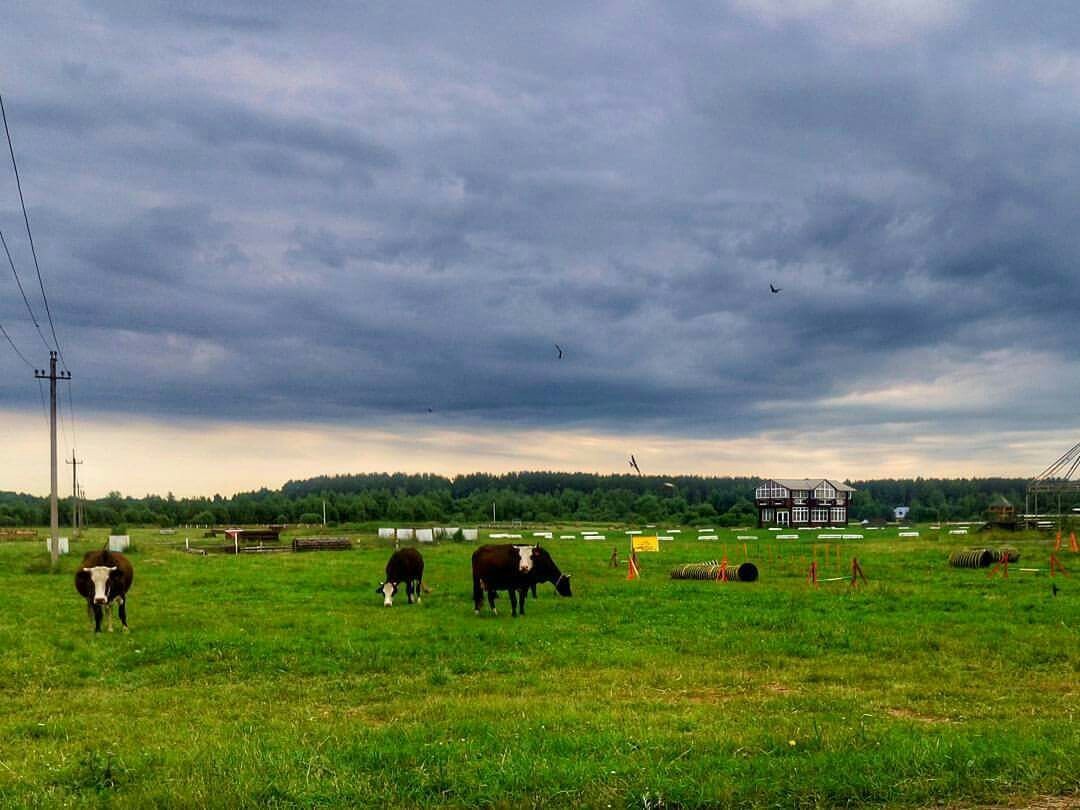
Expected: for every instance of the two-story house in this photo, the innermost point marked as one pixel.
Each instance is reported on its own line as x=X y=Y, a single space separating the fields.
x=802 y=502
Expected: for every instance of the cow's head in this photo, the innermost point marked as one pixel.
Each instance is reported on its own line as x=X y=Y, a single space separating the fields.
x=526 y=555
x=105 y=580
x=546 y=570
x=387 y=589
x=562 y=585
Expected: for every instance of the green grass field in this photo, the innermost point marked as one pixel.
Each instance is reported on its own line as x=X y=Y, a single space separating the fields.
x=282 y=681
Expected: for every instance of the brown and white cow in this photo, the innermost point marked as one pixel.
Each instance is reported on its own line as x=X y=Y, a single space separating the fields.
x=103 y=580
x=515 y=569
x=405 y=565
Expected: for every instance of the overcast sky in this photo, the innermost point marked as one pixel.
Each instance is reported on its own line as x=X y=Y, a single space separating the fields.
x=274 y=235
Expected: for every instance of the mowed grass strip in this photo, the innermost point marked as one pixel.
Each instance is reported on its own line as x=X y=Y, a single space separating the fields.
x=282 y=681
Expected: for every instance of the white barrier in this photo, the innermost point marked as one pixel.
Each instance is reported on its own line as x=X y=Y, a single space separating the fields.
x=404 y=534
x=830 y=536
x=775 y=529
x=957 y=531
x=706 y=530
x=909 y=534
x=674 y=531
x=386 y=534
x=425 y=535
x=665 y=537
x=119 y=542
x=707 y=537
x=567 y=537
x=747 y=537
x=62 y=542
x=851 y=537
x=498 y=536
x=470 y=534
x=787 y=537
x=512 y=536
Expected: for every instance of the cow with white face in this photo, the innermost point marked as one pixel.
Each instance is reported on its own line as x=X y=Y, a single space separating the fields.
x=405 y=565
x=104 y=580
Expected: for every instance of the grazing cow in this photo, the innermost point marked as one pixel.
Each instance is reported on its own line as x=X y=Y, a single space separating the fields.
x=103 y=580
x=405 y=565
x=515 y=569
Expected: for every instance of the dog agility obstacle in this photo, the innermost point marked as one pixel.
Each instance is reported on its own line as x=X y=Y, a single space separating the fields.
x=743 y=572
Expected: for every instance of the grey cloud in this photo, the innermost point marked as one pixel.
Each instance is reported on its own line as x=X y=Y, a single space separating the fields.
x=374 y=211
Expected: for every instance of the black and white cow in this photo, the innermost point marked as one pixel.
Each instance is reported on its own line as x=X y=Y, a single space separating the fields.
x=516 y=569
x=103 y=580
x=405 y=565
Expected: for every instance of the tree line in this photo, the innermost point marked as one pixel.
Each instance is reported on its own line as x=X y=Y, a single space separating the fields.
x=536 y=497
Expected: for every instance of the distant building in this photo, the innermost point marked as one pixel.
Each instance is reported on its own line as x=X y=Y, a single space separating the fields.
x=1001 y=512
x=901 y=512
x=802 y=502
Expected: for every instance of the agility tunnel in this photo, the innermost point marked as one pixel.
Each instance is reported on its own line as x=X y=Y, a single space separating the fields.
x=743 y=572
x=973 y=558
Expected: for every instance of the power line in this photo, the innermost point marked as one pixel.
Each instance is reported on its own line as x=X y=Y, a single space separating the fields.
x=26 y=300
x=22 y=357
x=29 y=235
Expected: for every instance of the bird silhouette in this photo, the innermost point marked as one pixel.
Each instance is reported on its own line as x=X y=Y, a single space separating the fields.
x=558 y=348
x=1054 y=589
x=633 y=463
x=773 y=289
x=431 y=410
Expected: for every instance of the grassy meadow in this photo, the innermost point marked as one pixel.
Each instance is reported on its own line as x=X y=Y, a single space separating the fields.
x=281 y=681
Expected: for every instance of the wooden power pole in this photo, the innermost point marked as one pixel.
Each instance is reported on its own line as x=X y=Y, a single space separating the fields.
x=74 y=493
x=54 y=516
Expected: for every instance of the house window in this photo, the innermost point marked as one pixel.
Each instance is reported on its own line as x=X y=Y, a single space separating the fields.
x=800 y=495
x=824 y=491
x=766 y=515
x=841 y=496
x=782 y=517
x=771 y=489
x=838 y=515
x=819 y=515
x=800 y=514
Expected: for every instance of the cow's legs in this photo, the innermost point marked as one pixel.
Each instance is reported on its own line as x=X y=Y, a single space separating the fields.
x=408 y=591
x=419 y=587
x=491 y=600
x=524 y=593
x=97 y=618
x=477 y=594
x=123 y=612
x=513 y=601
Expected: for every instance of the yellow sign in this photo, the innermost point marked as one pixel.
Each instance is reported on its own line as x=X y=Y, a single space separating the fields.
x=642 y=543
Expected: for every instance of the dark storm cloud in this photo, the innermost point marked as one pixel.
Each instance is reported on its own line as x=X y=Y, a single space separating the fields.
x=365 y=212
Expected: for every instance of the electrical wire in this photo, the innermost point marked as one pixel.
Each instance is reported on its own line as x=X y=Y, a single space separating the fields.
x=26 y=300
x=7 y=337
x=29 y=235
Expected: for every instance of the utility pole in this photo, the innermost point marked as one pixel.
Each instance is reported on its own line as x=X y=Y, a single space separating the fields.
x=74 y=493
x=82 y=507
x=324 y=512
x=54 y=516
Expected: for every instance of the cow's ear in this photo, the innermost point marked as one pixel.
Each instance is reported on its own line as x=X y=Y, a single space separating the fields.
x=380 y=587
x=86 y=571
x=536 y=552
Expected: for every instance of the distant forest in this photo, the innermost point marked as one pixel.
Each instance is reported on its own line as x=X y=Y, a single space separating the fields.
x=536 y=497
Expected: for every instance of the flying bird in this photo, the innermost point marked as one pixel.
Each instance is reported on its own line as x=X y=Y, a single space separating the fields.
x=633 y=463
x=431 y=410
x=558 y=348
x=773 y=289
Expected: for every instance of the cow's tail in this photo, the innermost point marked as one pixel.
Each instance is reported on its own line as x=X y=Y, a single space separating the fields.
x=477 y=591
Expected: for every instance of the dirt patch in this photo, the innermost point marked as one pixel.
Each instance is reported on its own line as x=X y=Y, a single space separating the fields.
x=908 y=714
